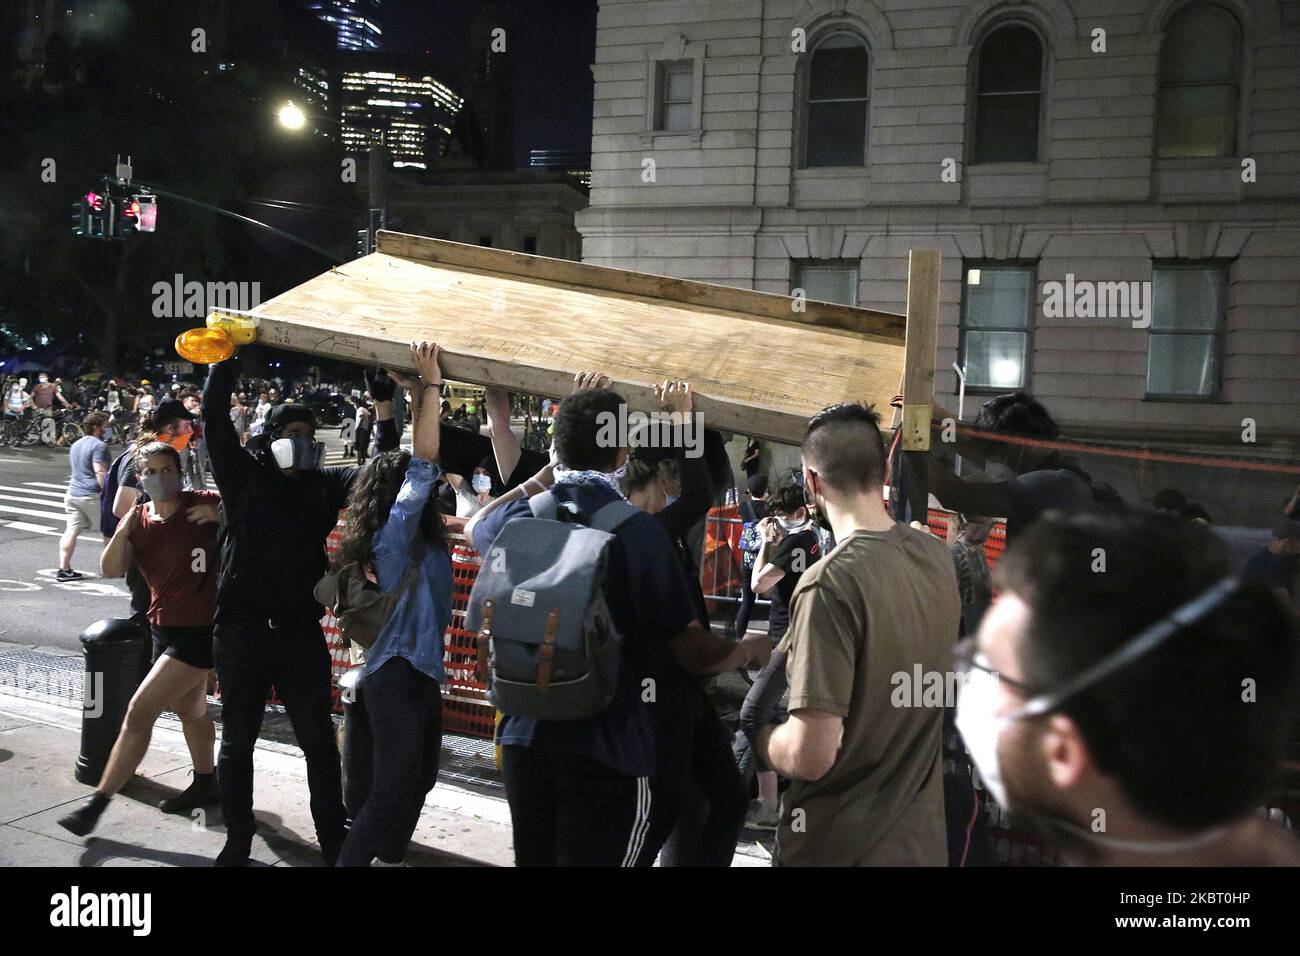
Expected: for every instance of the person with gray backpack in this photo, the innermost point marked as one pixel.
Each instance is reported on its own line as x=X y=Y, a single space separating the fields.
x=394 y=533
x=581 y=608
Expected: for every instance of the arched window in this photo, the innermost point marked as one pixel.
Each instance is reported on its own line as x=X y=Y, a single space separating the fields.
x=1199 y=68
x=1008 y=96
x=835 y=118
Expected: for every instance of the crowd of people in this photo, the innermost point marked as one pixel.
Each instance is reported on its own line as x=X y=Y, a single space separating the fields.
x=1133 y=716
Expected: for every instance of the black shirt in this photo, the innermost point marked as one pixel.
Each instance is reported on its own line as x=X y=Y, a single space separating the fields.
x=273 y=538
x=794 y=555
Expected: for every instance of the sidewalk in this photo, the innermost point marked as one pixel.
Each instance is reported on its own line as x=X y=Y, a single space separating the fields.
x=40 y=738
x=39 y=743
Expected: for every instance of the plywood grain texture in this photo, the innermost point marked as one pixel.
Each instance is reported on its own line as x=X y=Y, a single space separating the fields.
x=528 y=323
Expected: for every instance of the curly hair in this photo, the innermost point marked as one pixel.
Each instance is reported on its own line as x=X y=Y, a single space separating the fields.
x=369 y=504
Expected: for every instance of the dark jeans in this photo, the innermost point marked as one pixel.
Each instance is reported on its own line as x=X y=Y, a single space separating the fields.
x=362 y=445
x=405 y=711
x=293 y=658
x=747 y=598
x=697 y=817
x=762 y=703
x=569 y=810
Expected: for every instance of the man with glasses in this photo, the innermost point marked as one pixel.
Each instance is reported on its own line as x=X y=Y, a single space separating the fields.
x=881 y=607
x=1134 y=712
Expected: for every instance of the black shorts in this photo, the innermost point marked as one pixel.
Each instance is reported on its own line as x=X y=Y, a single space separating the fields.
x=189 y=645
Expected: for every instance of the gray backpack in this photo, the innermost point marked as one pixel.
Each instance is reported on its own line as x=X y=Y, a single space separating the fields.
x=547 y=646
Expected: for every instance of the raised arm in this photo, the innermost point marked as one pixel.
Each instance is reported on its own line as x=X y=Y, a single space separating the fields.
x=505 y=444
x=231 y=464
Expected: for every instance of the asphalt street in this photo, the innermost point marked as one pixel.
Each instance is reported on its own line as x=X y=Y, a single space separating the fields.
x=35 y=609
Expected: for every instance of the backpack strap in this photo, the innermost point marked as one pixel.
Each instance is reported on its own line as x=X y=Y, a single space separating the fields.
x=609 y=516
x=544 y=505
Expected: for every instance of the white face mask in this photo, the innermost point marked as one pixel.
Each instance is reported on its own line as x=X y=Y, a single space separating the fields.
x=481 y=483
x=789 y=525
x=980 y=728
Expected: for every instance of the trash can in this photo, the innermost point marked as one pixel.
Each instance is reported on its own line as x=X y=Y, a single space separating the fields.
x=116 y=652
x=357 y=747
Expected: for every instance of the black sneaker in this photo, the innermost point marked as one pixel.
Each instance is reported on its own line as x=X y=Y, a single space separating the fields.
x=83 y=819
x=202 y=792
x=68 y=575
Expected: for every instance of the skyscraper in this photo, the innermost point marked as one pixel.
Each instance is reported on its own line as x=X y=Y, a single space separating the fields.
x=356 y=22
x=399 y=102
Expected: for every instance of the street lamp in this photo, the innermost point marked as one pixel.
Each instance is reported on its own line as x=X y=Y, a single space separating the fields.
x=291 y=117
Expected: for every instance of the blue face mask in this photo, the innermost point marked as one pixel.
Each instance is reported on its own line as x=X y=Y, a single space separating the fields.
x=669 y=499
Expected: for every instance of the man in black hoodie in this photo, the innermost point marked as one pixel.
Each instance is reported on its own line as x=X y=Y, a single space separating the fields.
x=279 y=506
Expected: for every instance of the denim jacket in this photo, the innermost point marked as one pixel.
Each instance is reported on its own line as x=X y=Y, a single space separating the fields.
x=415 y=630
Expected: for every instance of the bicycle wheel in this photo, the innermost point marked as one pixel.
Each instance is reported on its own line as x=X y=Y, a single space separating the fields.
x=71 y=433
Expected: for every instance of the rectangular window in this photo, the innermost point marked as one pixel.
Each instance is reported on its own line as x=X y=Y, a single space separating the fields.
x=676 y=96
x=1188 y=305
x=828 y=281
x=995 y=307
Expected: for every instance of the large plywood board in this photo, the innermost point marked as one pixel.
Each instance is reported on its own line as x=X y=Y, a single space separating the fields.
x=528 y=323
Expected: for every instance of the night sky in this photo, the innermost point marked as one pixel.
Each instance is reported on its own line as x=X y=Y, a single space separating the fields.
x=553 y=42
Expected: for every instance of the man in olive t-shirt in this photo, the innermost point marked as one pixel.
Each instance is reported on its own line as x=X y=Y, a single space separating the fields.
x=862 y=745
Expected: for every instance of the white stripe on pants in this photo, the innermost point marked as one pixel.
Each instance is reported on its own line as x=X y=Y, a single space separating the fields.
x=640 y=822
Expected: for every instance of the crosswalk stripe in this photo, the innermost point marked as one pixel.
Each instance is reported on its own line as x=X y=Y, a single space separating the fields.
x=46 y=484
x=31 y=512
x=36 y=501
x=33 y=491
x=42 y=529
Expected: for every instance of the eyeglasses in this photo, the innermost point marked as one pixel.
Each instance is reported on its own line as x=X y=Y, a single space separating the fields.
x=967 y=656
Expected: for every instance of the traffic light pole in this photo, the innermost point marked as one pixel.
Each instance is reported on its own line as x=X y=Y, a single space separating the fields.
x=290 y=237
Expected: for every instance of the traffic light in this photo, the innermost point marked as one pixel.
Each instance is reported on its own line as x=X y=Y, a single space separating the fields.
x=363 y=242
x=146 y=212
x=98 y=216
x=80 y=218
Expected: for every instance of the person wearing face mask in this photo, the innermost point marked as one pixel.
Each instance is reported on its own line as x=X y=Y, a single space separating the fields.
x=172 y=539
x=865 y=766
x=394 y=529
x=1109 y=712
x=280 y=505
x=790 y=545
x=474 y=494
x=580 y=792
x=697 y=794
x=121 y=491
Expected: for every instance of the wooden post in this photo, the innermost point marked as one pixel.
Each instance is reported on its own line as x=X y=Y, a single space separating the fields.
x=918 y=374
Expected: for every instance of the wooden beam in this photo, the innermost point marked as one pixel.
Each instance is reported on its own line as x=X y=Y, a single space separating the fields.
x=919 y=350
x=871 y=323
x=771 y=424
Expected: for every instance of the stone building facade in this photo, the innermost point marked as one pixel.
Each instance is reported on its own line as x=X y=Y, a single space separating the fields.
x=1114 y=186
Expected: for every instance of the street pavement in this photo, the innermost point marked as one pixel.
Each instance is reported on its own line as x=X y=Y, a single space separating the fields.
x=38 y=610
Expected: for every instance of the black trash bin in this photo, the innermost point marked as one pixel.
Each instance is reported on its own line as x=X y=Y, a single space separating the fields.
x=116 y=652
x=357 y=748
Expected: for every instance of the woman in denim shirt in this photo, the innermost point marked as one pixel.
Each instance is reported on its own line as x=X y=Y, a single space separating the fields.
x=392 y=521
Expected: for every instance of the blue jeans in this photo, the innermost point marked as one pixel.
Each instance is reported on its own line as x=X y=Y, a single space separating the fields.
x=405 y=711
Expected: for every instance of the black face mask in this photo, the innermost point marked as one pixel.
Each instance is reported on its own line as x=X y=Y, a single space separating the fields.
x=818 y=515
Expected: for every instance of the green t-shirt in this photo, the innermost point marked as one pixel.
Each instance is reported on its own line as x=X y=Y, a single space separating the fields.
x=880 y=604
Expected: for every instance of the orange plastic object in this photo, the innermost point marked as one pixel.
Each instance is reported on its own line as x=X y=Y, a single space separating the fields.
x=241 y=329
x=205 y=346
